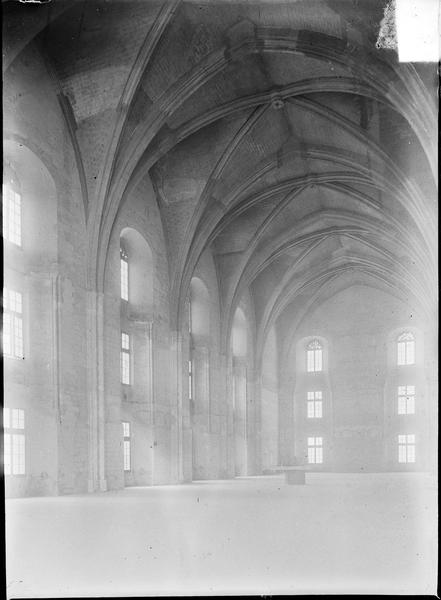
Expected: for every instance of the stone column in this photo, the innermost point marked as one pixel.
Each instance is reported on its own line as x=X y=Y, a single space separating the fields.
x=240 y=415
x=140 y=409
x=256 y=401
x=286 y=423
x=201 y=385
x=431 y=400
x=180 y=349
x=223 y=409
x=150 y=393
x=176 y=406
x=231 y=469
x=201 y=412
x=95 y=386
x=253 y=421
x=39 y=371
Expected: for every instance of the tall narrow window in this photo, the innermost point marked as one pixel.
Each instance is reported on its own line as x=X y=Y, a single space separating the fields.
x=14 y=441
x=314 y=356
x=124 y=261
x=190 y=324
x=406 y=448
x=315 y=450
x=11 y=215
x=406 y=399
x=315 y=405
x=126 y=446
x=190 y=359
x=12 y=323
x=190 y=380
x=125 y=358
x=406 y=349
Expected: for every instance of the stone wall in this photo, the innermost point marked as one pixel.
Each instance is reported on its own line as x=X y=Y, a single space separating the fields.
x=269 y=404
x=149 y=402
x=358 y=328
x=49 y=270
x=209 y=417
x=68 y=383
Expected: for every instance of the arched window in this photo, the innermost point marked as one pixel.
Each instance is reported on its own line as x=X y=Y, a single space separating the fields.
x=199 y=334
x=239 y=343
x=199 y=312
x=11 y=215
x=124 y=261
x=198 y=375
x=136 y=274
x=314 y=356
x=406 y=349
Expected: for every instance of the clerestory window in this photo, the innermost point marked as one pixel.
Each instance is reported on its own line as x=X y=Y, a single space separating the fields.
x=314 y=356
x=124 y=262
x=406 y=349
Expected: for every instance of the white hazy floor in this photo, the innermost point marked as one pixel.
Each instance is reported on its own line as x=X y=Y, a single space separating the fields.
x=340 y=533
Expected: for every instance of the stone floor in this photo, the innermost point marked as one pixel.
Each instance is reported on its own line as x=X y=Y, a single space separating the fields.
x=341 y=533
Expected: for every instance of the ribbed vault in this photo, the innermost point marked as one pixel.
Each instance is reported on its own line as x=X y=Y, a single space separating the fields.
x=275 y=134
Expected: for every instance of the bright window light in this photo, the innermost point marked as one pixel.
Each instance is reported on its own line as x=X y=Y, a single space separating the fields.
x=124 y=262
x=314 y=356
x=417 y=25
x=190 y=379
x=315 y=450
x=126 y=446
x=11 y=215
x=14 y=441
x=406 y=399
x=315 y=405
x=125 y=358
x=12 y=323
x=406 y=448
x=406 y=349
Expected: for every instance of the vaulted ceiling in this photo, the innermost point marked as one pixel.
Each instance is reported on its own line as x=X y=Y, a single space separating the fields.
x=275 y=133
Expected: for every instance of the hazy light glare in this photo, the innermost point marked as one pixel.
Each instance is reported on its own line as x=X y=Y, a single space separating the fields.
x=417 y=23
